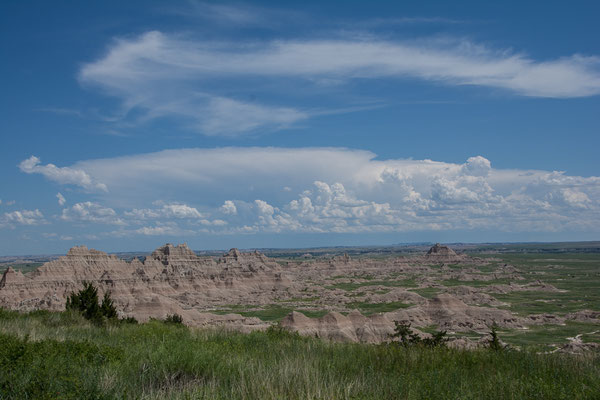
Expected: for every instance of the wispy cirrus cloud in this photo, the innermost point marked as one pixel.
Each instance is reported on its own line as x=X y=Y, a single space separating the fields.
x=229 y=117
x=222 y=14
x=171 y=75
x=236 y=15
x=62 y=111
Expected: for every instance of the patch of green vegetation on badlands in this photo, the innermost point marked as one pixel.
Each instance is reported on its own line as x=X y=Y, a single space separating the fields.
x=456 y=282
x=359 y=276
x=23 y=267
x=576 y=274
x=431 y=329
x=61 y=355
x=428 y=293
x=536 y=302
x=488 y=269
x=544 y=335
x=300 y=299
x=272 y=312
x=374 y=308
x=455 y=266
x=350 y=286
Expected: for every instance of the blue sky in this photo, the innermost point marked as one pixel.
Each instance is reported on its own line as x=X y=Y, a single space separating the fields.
x=262 y=124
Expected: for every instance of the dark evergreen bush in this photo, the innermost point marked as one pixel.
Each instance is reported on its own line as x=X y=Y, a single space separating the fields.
x=408 y=338
x=86 y=302
x=129 y=320
x=494 y=342
x=108 y=308
x=436 y=340
x=174 y=319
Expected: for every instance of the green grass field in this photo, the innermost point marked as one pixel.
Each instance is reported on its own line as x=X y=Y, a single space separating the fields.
x=47 y=355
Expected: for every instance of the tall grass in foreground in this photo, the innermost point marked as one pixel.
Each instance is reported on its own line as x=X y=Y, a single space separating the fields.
x=61 y=355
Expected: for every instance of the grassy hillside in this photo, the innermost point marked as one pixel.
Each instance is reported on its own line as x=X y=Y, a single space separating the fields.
x=60 y=355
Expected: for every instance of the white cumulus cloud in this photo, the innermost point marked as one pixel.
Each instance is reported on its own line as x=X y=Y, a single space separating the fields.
x=24 y=217
x=229 y=208
x=61 y=199
x=61 y=175
x=172 y=210
x=91 y=212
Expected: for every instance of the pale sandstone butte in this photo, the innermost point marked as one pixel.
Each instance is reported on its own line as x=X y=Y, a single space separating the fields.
x=440 y=250
x=173 y=279
x=450 y=313
x=443 y=253
x=445 y=311
x=354 y=327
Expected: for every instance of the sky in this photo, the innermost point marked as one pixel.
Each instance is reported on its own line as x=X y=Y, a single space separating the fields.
x=126 y=125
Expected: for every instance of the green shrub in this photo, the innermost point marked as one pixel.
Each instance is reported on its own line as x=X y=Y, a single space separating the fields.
x=108 y=308
x=438 y=339
x=175 y=319
x=404 y=334
x=494 y=343
x=129 y=320
x=279 y=332
x=86 y=302
x=408 y=338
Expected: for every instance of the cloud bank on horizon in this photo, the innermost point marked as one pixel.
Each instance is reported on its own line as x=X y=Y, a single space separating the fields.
x=239 y=190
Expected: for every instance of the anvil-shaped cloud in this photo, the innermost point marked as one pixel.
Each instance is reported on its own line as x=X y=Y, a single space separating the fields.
x=229 y=190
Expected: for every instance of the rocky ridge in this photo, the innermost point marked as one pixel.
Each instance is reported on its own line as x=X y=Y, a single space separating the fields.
x=171 y=280
x=208 y=291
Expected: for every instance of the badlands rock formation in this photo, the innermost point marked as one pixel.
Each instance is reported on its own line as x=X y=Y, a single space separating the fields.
x=171 y=280
x=442 y=253
x=209 y=291
x=354 y=327
x=449 y=313
x=444 y=311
